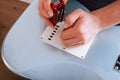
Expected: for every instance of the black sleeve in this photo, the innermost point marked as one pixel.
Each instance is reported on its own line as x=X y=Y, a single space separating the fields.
x=95 y=4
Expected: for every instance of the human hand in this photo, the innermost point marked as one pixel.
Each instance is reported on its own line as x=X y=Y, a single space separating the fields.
x=45 y=11
x=80 y=28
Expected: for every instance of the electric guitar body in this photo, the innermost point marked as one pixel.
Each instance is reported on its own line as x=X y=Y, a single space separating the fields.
x=25 y=54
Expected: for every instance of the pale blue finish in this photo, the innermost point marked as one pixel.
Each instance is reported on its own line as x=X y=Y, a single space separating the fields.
x=25 y=55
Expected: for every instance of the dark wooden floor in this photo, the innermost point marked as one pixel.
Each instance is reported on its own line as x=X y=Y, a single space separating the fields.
x=10 y=10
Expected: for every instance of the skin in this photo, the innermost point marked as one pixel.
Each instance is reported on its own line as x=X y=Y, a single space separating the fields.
x=81 y=26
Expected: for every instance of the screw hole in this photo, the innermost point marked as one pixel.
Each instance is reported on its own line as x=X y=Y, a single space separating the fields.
x=81 y=56
x=63 y=48
x=56 y=28
x=52 y=33
x=41 y=38
x=49 y=38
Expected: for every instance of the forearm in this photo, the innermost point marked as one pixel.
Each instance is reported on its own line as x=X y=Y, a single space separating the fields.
x=109 y=15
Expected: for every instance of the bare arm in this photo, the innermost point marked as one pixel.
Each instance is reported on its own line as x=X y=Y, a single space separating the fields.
x=109 y=15
x=88 y=24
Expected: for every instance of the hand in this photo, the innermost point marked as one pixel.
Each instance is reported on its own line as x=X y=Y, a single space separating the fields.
x=80 y=28
x=45 y=11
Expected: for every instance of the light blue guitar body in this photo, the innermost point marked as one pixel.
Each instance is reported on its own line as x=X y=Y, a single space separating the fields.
x=25 y=55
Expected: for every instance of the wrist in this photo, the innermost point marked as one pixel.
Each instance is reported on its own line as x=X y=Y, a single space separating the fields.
x=108 y=16
x=104 y=20
x=98 y=21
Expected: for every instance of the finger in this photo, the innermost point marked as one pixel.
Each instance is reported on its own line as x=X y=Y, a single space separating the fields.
x=42 y=11
x=47 y=7
x=81 y=31
x=74 y=44
x=71 y=32
x=73 y=41
x=73 y=17
x=47 y=22
x=67 y=34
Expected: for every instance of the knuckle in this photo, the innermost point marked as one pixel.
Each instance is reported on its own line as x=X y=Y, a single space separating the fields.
x=43 y=13
x=79 y=10
x=69 y=20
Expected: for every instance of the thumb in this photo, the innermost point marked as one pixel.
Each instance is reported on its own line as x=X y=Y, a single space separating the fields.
x=65 y=1
x=73 y=17
x=47 y=7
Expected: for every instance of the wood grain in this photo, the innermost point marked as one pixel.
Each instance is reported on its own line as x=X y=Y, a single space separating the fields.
x=10 y=10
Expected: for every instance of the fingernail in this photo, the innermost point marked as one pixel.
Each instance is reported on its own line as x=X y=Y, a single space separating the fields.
x=50 y=13
x=65 y=26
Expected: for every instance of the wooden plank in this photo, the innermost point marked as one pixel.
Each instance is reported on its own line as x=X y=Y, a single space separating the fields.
x=10 y=10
